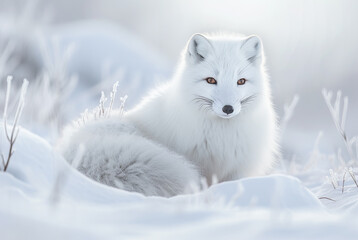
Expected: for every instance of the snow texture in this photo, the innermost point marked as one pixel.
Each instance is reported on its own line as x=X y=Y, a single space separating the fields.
x=42 y=197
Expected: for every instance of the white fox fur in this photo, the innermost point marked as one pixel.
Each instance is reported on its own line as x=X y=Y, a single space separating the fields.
x=180 y=133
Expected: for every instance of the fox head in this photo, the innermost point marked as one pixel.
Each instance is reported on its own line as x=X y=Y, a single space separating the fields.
x=222 y=75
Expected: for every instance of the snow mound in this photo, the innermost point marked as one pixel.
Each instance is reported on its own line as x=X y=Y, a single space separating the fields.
x=42 y=197
x=274 y=191
x=37 y=166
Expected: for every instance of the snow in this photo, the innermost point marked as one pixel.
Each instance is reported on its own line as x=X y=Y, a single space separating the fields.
x=270 y=207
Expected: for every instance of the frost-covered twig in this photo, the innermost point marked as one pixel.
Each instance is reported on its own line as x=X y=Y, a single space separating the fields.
x=101 y=107
x=339 y=118
x=327 y=198
x=350 y=171
x=112 y=96
x=334 y=179
x=103 y=111
x=288 y=112
x=15 y=129
x=344 y=180
x=123 y=101
x=315 y=155
x=330 y=180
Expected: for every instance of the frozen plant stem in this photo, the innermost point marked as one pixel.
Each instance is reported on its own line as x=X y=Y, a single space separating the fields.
x=15 y=129
x=343 y=181
x=102 y=110
x=327 y=198
x=113 y=96
x=123 y=101
x=102 y=101
x=334 y=180
x=288 y=112
x=350 y=170
x=339 y=120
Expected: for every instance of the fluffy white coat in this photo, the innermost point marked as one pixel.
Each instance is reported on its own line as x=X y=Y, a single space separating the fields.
x=180 y=132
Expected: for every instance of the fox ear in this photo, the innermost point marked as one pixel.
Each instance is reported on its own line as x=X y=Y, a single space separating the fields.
x=253 y=48
x=198 y=48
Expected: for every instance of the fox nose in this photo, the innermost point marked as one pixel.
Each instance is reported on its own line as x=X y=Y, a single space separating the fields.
x=228 y=109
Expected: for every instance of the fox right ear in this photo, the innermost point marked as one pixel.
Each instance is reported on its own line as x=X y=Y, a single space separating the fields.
x=253 y=48
x=198 y=48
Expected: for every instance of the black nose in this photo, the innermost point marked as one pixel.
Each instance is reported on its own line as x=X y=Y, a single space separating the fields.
x=228 y=109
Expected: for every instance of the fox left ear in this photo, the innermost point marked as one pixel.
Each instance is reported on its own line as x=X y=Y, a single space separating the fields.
x=199 y=48
x=253 y=49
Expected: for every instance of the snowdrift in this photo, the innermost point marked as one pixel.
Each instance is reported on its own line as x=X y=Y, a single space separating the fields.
x=42 y=197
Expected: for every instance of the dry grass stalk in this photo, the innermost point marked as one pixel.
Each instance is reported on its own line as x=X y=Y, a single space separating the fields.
x=13 y=134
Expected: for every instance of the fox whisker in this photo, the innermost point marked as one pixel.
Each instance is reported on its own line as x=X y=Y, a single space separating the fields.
x=246 y=101
x=203 y=102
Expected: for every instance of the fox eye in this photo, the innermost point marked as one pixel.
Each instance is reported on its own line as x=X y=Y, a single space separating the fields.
x=241 y=81
x=210 y=80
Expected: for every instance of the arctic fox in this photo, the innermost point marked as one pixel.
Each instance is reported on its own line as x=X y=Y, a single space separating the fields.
x=214 y=118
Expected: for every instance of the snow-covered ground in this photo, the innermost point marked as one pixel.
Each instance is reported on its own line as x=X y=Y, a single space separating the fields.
x=42 y=197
